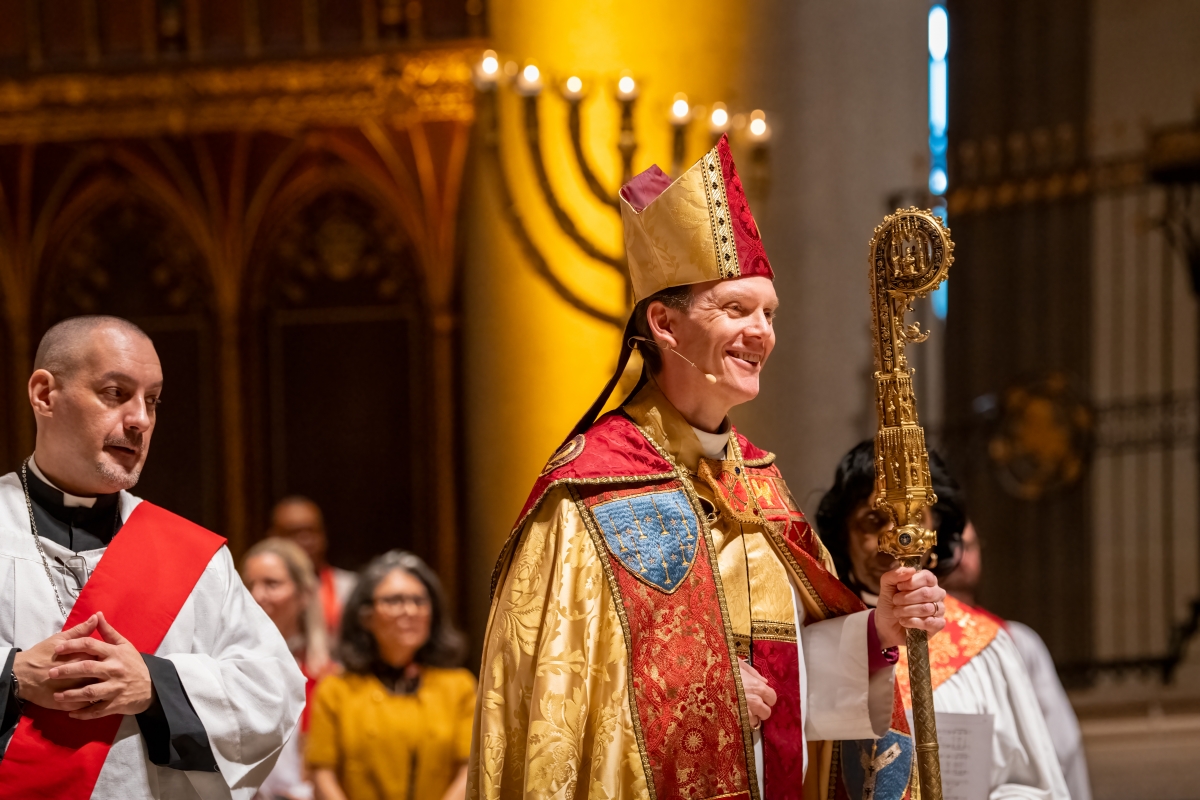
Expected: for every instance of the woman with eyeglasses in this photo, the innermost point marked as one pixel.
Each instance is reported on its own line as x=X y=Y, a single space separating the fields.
x=397 y=724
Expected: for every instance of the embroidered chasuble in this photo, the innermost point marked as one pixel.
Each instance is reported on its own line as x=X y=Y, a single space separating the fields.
x=638 y=573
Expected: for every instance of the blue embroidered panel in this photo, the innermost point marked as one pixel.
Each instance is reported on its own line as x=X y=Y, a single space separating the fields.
x=654 y=535
x=878 y=768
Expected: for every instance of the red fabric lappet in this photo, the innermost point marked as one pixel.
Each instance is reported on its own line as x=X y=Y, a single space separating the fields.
x=140 y=584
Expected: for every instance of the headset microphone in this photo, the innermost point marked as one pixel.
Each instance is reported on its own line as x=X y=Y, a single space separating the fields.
x=707 y=376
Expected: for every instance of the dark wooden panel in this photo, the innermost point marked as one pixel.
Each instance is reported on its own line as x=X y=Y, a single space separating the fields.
x=282 y=24
x=181 y=470
x=344 y=430
x=223 y=26
x=63 y=31
x=345 y=376
x=9 y=412
x=13 y=42
x=341 y=24
x=1020 y=306
x=445 y=19
x=131 y=260
x=121 y=30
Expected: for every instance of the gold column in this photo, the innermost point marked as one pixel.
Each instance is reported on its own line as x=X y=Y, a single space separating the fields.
x=911 y=253
x=533 y=363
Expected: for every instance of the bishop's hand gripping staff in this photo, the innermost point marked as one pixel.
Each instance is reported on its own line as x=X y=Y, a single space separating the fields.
x=911 y=253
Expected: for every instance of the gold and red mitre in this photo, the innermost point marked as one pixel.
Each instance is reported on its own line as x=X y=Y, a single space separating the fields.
x=694 y=229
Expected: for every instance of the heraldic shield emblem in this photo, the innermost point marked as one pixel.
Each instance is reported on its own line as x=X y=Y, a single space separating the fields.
x=653 y=534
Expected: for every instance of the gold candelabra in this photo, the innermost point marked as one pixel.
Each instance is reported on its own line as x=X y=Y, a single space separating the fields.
x=911 y=253
x=528 y=83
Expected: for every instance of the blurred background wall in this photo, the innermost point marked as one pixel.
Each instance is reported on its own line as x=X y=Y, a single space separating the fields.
x=377 y=247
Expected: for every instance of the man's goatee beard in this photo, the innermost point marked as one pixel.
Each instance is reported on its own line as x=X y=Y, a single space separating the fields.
x=117 y=479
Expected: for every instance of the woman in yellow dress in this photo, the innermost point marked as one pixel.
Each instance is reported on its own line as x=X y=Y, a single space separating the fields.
x=397 y=724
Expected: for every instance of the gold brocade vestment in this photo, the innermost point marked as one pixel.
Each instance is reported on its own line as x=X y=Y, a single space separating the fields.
x=555 y=717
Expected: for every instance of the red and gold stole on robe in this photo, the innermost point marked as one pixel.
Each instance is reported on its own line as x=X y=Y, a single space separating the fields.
x=753 y=498
x=967 y=633
x=647 y=521
x=887 y=770
x=141 y=583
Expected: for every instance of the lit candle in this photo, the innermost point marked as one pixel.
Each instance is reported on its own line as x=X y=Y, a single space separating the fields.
x=681 y=111
x=488 y=69
x=718 y=121
x=759 y=130
x=627 y=88
x=530 y=80
x=573 y=88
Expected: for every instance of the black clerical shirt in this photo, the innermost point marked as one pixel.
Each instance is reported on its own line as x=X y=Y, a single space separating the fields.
x=175 y=736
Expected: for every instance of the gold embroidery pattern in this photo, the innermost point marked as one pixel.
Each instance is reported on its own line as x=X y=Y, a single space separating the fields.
x=782 y=549
x=615 y=592
x=552 y=718
x=763 y=461
x=773 y=532
x=773 y=631
x=566 y=454
x=764 y=631
x=730 y=490
x=718 y=211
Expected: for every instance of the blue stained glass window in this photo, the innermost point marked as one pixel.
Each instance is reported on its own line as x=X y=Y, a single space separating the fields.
x=939 y=123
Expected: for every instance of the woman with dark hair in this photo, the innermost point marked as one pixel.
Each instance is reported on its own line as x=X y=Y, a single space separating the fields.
x=850 y=524
x=977 y=667
x=397 y=724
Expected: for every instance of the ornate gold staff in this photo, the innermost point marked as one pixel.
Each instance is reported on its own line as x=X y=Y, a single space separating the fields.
x=911 y=253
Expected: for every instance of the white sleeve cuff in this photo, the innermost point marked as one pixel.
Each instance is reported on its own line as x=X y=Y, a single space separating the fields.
x=845 y=701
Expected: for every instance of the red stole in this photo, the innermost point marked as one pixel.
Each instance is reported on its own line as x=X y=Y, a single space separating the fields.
x=140 y=584
x=330 y=606
x=751 y=491
x=966 y=635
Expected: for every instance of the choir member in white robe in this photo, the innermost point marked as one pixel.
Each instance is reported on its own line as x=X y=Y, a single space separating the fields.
x=992 y=681
x=1051 y=697
x=206 y=714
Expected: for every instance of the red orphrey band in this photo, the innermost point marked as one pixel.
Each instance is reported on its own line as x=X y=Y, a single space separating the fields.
x=140 y=584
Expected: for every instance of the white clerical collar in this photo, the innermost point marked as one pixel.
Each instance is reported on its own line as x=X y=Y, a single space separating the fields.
x=712 y=444
x=69 y=500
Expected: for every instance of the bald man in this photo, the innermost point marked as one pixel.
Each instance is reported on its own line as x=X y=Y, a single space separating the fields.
x=300 y=519
x=134 y=662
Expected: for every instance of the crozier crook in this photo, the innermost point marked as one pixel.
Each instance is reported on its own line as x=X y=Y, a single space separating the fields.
x=911 y=253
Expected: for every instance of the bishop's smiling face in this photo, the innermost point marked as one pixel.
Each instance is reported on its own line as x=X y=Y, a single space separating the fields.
x=729 y=332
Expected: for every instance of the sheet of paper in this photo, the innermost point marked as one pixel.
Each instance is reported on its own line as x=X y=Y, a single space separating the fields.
x=965 y=748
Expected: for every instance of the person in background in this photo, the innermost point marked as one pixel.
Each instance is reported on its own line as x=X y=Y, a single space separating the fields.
x=299 y=519
x=281 y=580
x=397 y=724
x=978 y=669
x=1056 y=707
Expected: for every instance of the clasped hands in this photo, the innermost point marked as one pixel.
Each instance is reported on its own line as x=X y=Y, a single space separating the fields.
x=86 y=677
x=907 y=599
